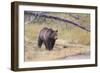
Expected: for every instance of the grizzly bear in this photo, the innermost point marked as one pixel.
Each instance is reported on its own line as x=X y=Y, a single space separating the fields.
x=47 y=36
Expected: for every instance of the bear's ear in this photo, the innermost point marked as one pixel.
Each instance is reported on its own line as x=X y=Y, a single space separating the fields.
x=56 y=30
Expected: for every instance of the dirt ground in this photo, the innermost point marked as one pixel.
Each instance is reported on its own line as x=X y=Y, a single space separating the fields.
x=60 y=51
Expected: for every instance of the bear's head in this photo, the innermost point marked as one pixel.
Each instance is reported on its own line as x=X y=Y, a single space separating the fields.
x=54 y=34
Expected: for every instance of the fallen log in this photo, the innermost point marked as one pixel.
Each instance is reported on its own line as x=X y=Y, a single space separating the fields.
x=60 y=19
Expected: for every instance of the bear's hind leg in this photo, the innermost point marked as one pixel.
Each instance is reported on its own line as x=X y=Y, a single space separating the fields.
x=40 y=43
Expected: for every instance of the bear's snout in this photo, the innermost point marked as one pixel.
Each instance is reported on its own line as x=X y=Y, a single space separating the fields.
x=56 y=37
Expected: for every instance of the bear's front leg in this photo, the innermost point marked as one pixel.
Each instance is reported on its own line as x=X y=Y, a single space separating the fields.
x=52 y=42
x=48 y=45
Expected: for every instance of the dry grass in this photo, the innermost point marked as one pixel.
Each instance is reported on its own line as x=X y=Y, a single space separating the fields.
x=68 y=44
x=76 y=35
